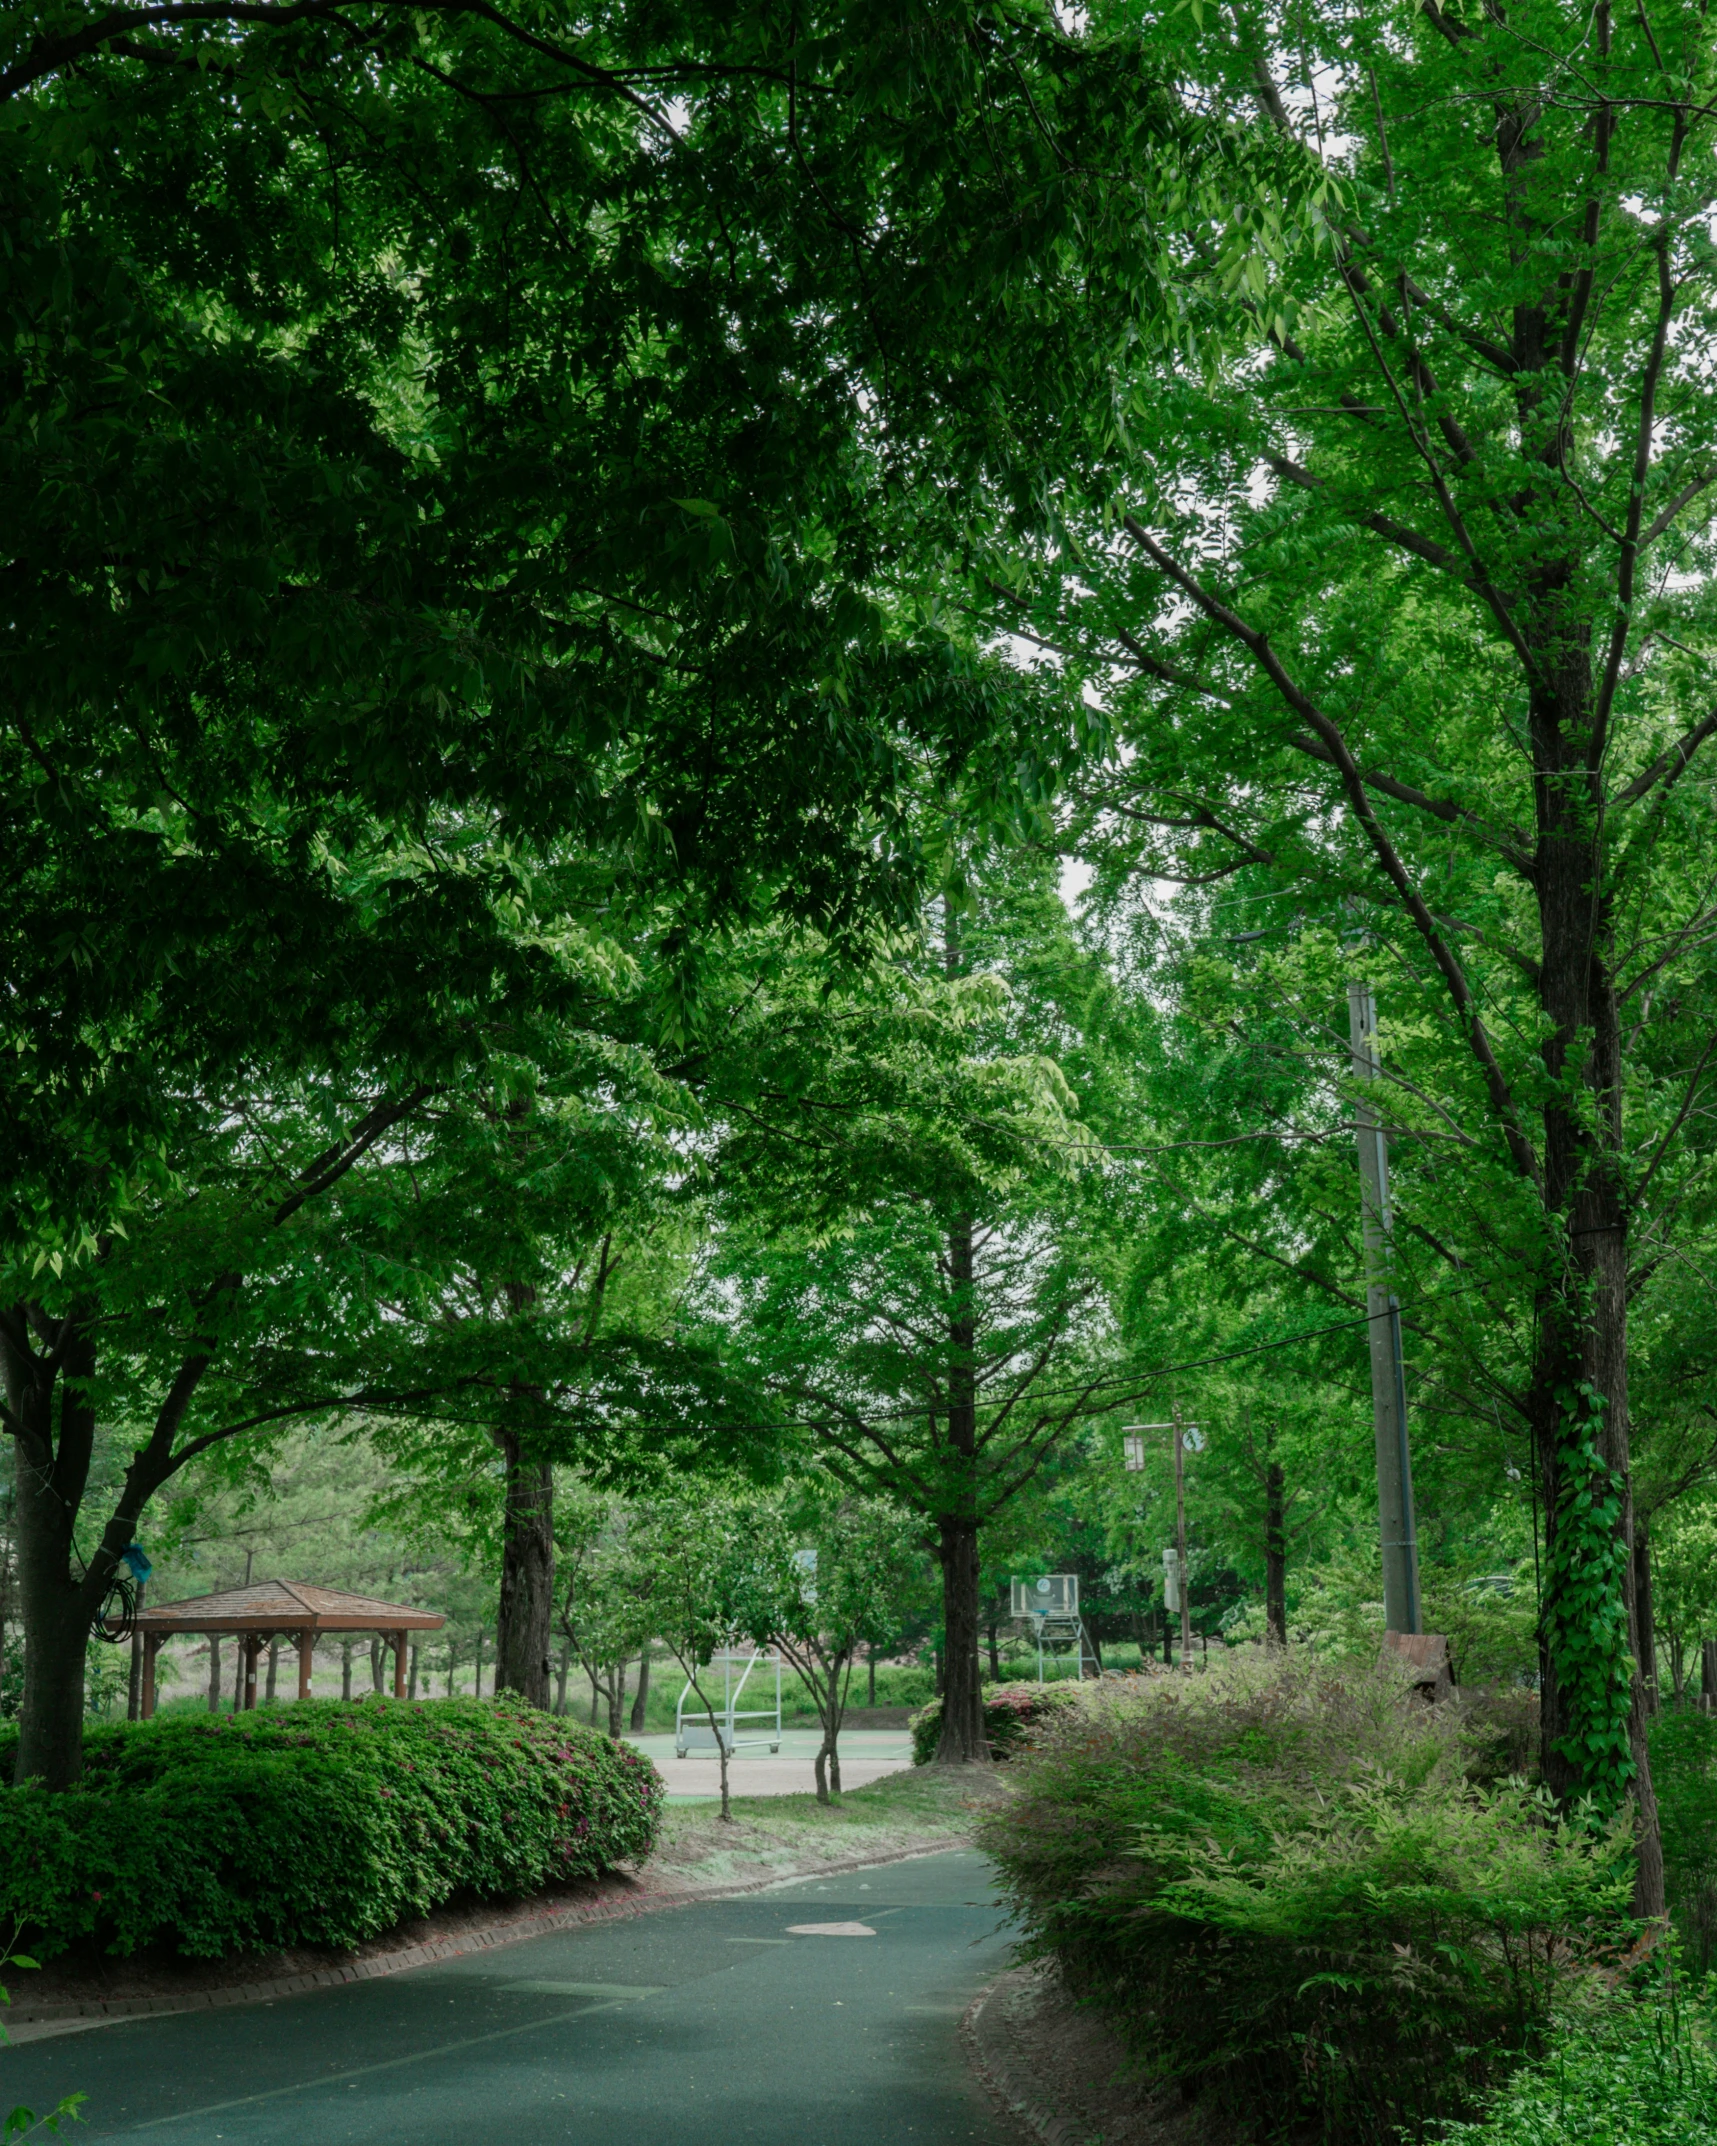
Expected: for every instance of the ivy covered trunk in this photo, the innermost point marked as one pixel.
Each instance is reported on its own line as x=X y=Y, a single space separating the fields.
x=1593 y=1695
x=523 y=1626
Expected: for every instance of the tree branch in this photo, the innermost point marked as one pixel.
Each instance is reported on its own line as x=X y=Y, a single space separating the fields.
x=1258 y=646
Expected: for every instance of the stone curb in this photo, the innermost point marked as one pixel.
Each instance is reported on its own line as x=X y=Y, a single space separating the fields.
x=985 y=2038
x=486 y=1937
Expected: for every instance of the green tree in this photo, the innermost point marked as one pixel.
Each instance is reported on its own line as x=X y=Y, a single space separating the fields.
x=831 y=1575
x=912 y=1251
x=1404 y=621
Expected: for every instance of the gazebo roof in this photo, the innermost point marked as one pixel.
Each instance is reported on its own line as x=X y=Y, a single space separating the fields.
x=286 y=1605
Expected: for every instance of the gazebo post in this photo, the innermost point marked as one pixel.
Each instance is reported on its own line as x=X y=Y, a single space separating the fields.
x=399 y=1665
x=306 y=1655
x=146 y=1697
x=252 y=1648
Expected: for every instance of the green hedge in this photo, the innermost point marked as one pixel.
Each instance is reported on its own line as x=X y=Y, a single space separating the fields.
x=322 y=1824
x=1010 y=1711
x=1281 y=1887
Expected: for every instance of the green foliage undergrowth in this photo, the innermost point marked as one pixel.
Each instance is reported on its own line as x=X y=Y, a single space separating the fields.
x=1010 y=1711
x=1634 y=2071
x=1280 y=1885
x=1684 y=1773
x=320 y=1824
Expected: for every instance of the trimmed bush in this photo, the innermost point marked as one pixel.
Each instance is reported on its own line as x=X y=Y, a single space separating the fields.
x=1278 y=1883
x=1010 y=1710
x=319 y=1824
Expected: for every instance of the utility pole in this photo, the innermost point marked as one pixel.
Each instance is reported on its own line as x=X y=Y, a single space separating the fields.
x=1180 y=1540
x=1388 y=1380
x=1133 y=1449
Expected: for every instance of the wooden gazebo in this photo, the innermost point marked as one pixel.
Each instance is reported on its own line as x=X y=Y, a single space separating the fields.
x=273 y=1609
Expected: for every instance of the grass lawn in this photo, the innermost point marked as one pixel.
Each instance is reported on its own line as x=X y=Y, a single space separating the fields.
x=919 y=1807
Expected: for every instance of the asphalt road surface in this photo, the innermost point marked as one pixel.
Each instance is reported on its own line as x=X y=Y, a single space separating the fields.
x=714 y=2025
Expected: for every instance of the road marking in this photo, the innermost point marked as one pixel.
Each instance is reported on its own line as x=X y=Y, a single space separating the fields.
x=830 y=1929
x=621 y=1992
x=369 y=2071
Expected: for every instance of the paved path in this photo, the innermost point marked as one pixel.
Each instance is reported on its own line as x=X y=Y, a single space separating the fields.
x=712 y=2025
x=866 y=1754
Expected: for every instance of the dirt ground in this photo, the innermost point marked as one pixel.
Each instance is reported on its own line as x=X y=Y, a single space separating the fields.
x=1046 y=2057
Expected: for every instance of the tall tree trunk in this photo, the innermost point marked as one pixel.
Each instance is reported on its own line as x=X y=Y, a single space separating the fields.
x=411 y=1687
x=962 y=1741
x=1590 y=1650
x=1708 y=1675
x=375 y=1661
x=1275 y=1555
x=215 y=1673
x=55 y=1607
x=273 y=1668
x=641 y=1697
x=524 y=1625
x=1644 y=1618
x=562 y=1670
x=346 y=1669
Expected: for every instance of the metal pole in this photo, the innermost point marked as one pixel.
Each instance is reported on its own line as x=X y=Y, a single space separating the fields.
x=1180 y=1542
x=1396 y=1524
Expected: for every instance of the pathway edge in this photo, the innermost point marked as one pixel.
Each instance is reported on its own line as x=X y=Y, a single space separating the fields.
x=1012 y=2092
x=25 y=2024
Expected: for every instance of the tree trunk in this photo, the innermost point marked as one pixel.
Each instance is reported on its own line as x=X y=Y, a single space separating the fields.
x=215 y=1674
x=1594 y=1694
x=1275 y=1556
x=595 y=1698
x=962 y=1741
x=55 y=1608
x=411 y=1687
x=617 y=1700
x=273 y=1668
x=1644 y=1615
x=376 y=1662
x=1708 y=1675
x=522 y=1632
x=640 y=1698
x=562 y=1669
x=1677 y=1667
x=346 y=1670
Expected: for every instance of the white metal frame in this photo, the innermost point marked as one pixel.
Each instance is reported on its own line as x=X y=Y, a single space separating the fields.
x=1051 y=1607
x=697 y=1734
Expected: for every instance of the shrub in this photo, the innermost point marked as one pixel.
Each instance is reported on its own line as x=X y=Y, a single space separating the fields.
x=1632 y=2073
x=1010 y=1710
x=318 y=1824
x=1277 y=1881
x=1684 y=1772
